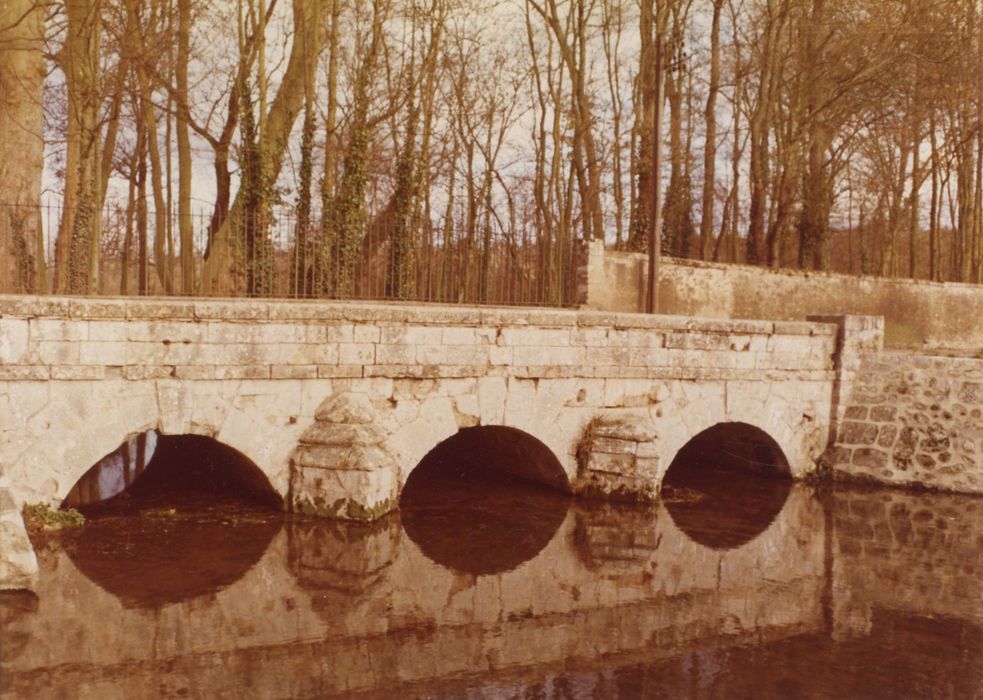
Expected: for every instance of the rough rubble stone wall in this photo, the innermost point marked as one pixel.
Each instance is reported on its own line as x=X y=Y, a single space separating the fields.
x=913 y=420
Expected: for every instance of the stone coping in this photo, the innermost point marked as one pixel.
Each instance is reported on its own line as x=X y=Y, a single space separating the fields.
x=212 y=309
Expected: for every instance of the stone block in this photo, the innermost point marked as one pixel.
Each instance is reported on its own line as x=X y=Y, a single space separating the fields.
x=536 y=337
x=549 y=356
x=343 y=434
x=20 y=306
x=242 y=310
x=366 y=334
x=325 y=333
x=18 y=564
x=622 y=426
x=458 y=336
x=589 y=337
x=447 y=355
x=609 y=356
x=857 y=412
x=78 y=372
x=145 y=372
x=856 y=433
x=411 y=335
x=25 y=372
x=363 y=458
x=58 y=352
x=887 y=436
x=356 y=353
x=348 y=407
x=613 y=446
x=870 y=458
x=152 y=309
x=340 y=371
x=97 y=308
x=883 y=414
x=619 y=464
x=109 y=331
x=242 y=372
x=14 y=336
x=697 y=341
x=57 y=329
x=194 y=372
x=293 y=371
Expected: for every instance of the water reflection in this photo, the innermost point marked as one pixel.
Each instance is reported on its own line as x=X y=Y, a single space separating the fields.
x=478 y=523
x=485 y=500
x=165 y=557
x=853 y=594
x=727 y=485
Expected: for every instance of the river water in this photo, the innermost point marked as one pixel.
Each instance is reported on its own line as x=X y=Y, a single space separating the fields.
x=731 y=587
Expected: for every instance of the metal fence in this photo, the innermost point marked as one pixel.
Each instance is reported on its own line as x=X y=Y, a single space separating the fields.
x=443 y=262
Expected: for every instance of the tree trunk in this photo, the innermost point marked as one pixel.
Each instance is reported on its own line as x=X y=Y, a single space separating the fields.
x=220 y=268
x=22 y=74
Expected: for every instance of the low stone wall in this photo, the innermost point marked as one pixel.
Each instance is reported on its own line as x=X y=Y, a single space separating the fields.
x=919 y=315
x=913 y=420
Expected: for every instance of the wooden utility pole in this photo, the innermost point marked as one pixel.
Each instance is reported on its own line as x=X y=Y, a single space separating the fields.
x=655 y=225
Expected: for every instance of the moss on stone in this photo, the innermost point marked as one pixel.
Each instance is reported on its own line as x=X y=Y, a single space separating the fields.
x=41 y=517
x=344 y=509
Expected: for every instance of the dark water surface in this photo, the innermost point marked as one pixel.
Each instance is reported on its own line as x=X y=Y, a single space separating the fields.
x=741 y=587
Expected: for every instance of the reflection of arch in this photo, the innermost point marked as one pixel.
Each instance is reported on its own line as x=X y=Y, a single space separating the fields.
x=170 y=558
x=476 y=503
x=727 y=485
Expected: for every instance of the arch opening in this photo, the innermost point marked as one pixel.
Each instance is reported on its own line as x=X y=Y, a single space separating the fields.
x=171 y=471
x=485 y=500
x=727 y=485
x=205 y=515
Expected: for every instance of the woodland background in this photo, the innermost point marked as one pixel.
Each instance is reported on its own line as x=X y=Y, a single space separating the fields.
x=460 y=150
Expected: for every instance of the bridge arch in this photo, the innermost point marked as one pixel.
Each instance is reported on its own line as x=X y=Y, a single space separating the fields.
x=98 y=419
x=494 y=449
x=685 y=424
x=727 y=485
x=172 y=470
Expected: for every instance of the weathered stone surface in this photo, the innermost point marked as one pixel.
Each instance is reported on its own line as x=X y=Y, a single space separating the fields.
x=18 y=564
x=855 y=433
x=929 y=414
x=348 y=408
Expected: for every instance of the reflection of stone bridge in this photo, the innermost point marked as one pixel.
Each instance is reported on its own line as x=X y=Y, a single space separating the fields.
x=323 y=613
x=336 y=403
x=332 y=610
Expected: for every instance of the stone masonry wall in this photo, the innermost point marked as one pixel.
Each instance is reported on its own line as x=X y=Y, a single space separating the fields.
x=919 y=315
x=77 y=377
x=913 y=420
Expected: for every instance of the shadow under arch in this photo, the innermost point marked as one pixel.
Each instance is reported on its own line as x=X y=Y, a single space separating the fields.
x=206 y=516
x=485 y=500
x=727 y=485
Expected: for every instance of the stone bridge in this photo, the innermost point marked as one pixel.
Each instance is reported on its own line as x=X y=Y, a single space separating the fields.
x=336 y=403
